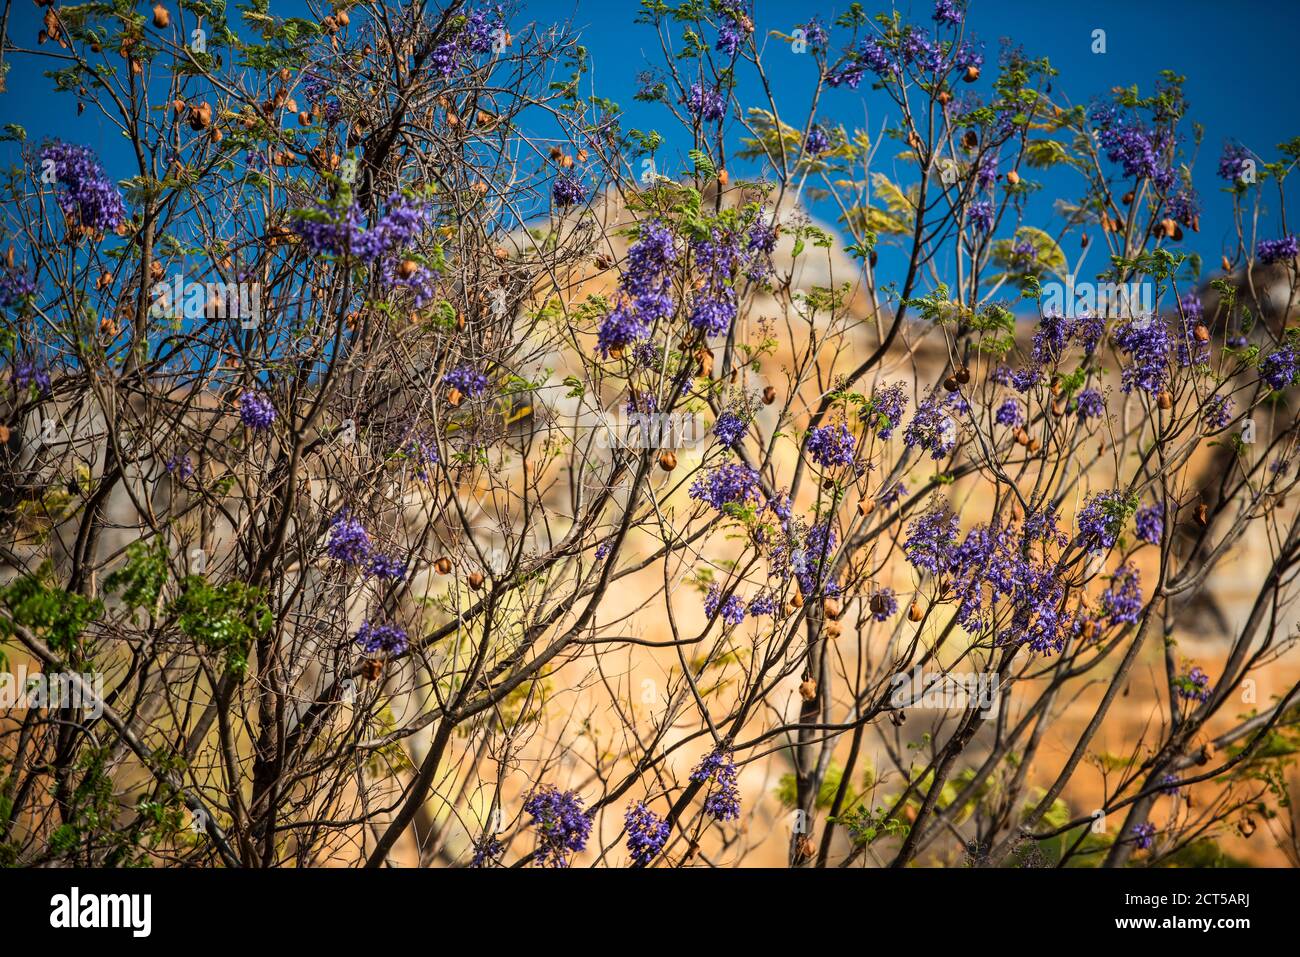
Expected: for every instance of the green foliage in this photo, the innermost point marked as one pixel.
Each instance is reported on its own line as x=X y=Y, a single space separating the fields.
x=786 y=790
x=222 y=620
x=140 y=581
x=53 y=614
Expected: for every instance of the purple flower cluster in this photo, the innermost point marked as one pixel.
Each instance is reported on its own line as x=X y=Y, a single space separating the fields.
x=468 y=381
x=348 y=541
x=647 y=833
x=1217 y=411
x=16 y=285
x=831 y=446
x=729 y=484
x=730 y=428
x=1279 y=369
x=89 y=197
x=886 y=407
x=1194 y=686
x=389 y=639
x=28 y=375
x=1009 y=414
x=706 y=103
x=1146 y=342
x=735 y=25
x=317 y=87
x=762 y=606
x=818 y=141
x=869 y=54
x=718 y=770
x=1092 y=404
x=474 y=38
x=1122 y=601
x=713 y=317
x=643 y=289
x=931 y=539
x=1143 y=153
x=343 y=232
x=562 y=824
x=947 y=13
x=933 y=428
x=1278 y=250
x=1150 y=524
x=815 y=35
x=1101 y=520
x=179 y=466
x=1144 y=835
x=733 y=609
x=1232 y=162
x=256 y=410
x=980 y=214
x=568 y=190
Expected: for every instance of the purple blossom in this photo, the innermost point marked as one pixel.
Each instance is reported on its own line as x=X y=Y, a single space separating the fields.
x=386 y=638
x=931 y=539
x=1009 y=413
x=1217 y=411
x=1232 y=162
x=763 y=605
x=1278 y=250
x=818 y=141
x=562 y=824
x=28 y=375
x=947 y=13
x=730 y=484
x=706 y=103
x=980 y=213
x=886 y=408
x=1279 y=369
x=1122 y=601
x=733 y=609
x=387 y=567
x=932 y=428
x=713 y=316
x=343 y=231
x=348 y=541
x=468 y=381
x=831 y=446
x=647 y=833
x=1146 y=342
x=1144 y=835
x=1101 y=520
x=89 y=198
x=718 y=771
x=884 y=604
x=256 y=410
x=1150 y=523
x=643 y=289
x=1194 y=686
x=730 y=428
x=179 y=466
x=568 y=190
x=1092 y=405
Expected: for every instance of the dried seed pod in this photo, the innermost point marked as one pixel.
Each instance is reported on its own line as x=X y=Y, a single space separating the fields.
x=1227 y=266
x=962 y=375
x=1034 y=446
x=1202 y=334
x=808 y=689
x=582 y=156
x=944 y=97
x=878 y=604
x=723 y=177
x=475 y=580
x=1022 y=437
x=1202 y=514
x=1164 y=399
x=408 y=268
x=972 y=74
x=704 y=358
x=454 y=397
x=833 y=629
x=866 y=507
x=668 y=460
x=769 y=395
x=343 y=18
x=443 y=565
x=1127 y=198
x=951 y=384
x=107 y=327
x=161 y=18
x=915 y=613
x=970 y=139
x=556 y=152
x=4 y=434
x=1013 y=178
x=372 y=668
x=1084 y=240
x=304 y=118
x=797 y=600
x=831 y=609
x=200 y=117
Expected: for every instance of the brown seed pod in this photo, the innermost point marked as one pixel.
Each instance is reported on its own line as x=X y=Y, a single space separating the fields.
x=797 y=600
x=915 y=613
x=343 y=18
x=1127 y=198
x=408 y=268
x=443 y=565
x=1202 y=334
x=372 y=668
x=769 y=395
x=582 y=156
x=200 y=117
x=972 y=74
x=970 y=139
x=1034 y=446
x=866 y=507
x=1058 y=407
x=704 y=359
x=1022 y=437
x=454 y=397
x=4 y=434
x=808 y=689
x=475 y=580
x=556 y=152
x=723 y=177
x=962 y=375
x=951 y=384
x=304 y=118
x=833 y=629
x=1084 y=240
x=107 y=327
x=1202 y=514
x=1013 y=178
x=944 y=97
x=161 y=18
x=668 y=460
x=1227 y=266
x=878 y=604
x=831 y=609
x=216 y=135
x=1164 y=399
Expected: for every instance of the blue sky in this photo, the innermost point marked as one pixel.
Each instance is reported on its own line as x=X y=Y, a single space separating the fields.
x=1238 y=61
